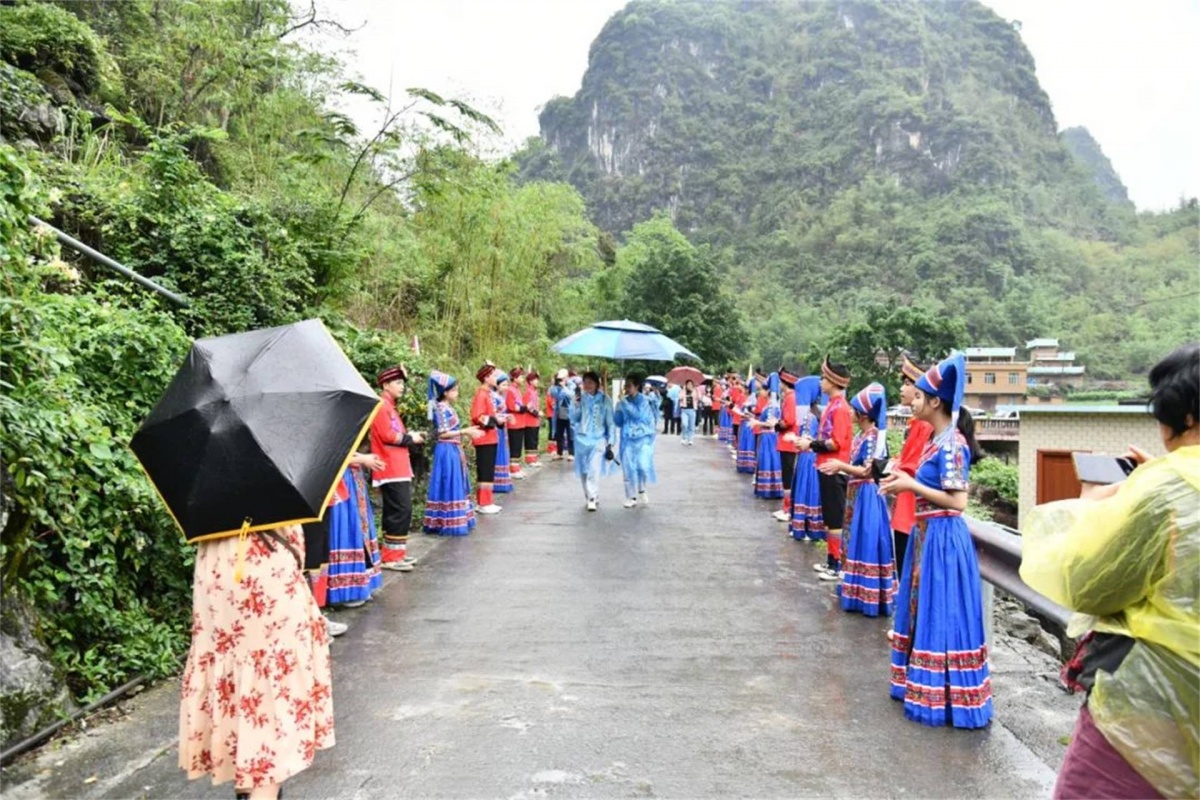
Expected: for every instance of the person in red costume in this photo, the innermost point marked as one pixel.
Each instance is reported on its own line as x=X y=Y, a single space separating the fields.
x=916 y=436
x=517 y=421
x=483 y=416
x=786 y=443
x=390 y=440
x=835 y=434
x=530 y=406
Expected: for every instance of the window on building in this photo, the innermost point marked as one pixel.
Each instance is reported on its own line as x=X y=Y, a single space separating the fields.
x=969 y=376
x=989 y=377
x=1012 y=379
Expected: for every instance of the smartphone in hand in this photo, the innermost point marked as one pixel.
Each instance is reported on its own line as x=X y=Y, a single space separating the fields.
x=1101 y=469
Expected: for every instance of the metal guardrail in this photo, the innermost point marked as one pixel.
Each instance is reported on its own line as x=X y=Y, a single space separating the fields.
x=999 y=551
x=96 y=255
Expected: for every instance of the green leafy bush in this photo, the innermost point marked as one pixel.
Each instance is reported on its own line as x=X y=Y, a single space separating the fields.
x=998 y=476
x=86 y=539
x=38 y=37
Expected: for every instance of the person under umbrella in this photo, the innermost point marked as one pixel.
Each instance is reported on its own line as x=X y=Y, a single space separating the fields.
x=592 y=424
x=221 y=450
x=354 y=568
x=636 y=418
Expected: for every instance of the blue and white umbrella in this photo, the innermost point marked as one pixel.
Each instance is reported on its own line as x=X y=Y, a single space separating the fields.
x=623 y=340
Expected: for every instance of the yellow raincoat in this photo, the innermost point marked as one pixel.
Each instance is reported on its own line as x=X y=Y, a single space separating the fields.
x=1130 y=565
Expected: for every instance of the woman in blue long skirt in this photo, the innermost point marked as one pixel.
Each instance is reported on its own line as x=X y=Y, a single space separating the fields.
x=868 y=582
x=448 y=509
x=504 y=482
x=939 y=654
x=807 y=523
x=768 y=473
x=354 y=572
x=747 y=452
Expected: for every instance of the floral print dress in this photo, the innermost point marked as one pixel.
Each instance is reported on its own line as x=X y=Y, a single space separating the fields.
x=257 y=696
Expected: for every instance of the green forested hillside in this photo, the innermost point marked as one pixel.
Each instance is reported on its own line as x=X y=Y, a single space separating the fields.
x=1088 y=153
x=837 y=155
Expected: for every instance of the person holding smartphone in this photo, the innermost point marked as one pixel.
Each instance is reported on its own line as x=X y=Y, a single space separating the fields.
x=1126 y=558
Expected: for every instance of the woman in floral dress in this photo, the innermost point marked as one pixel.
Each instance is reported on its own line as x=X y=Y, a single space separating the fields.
x=257 y=700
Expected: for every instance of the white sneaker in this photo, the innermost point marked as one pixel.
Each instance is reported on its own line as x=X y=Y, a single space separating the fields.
x=820 y=566
x=828 y=575
x=645 y=498
x=570 y=458
x=630 y=503
x=782 y=516
x=517 y=476
x=335 y=628
x=411 y=560
x=591 y=505
x=490 y=508
x=397 y=566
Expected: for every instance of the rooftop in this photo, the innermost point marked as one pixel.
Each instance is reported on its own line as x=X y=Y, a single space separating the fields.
x=991 y=352
x=1056 y=370
x=1032 y=343
x=1067 y=408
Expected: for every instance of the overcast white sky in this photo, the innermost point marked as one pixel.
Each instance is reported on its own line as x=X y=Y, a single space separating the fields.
x=1126 y=69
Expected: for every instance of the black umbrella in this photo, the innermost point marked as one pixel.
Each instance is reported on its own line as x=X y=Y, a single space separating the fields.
x=255 y=430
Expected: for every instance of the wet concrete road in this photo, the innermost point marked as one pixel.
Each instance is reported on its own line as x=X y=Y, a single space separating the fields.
x=680 y=650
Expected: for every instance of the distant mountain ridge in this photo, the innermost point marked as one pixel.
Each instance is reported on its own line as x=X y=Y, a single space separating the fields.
x=842 y=153
x=1087 y=150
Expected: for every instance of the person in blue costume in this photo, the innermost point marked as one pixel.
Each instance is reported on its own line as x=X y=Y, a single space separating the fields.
x=768 y=472
x=504 y=482
x=592 y=425
x=354 y=571
x=448 y=508
x=868 y=582
x=807 y=523
x=939 y=653
x=636 y=419
x=747 y=453
x=655 y=402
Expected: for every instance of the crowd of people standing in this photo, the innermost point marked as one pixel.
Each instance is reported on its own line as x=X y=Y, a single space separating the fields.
x=896 y=547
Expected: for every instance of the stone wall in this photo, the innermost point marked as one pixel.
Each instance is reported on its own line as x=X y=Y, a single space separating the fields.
x=1097 y=431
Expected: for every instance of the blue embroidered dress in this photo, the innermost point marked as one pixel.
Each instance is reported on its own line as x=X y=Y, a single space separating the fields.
x=747 y=454
x=354 y=572
x=807 y=520
x=448 y=509
x=939 y=654
x=503 y=483
x=868 y=580
x=768 y=473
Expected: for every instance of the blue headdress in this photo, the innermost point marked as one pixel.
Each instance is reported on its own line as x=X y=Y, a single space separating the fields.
x=808 y=391
x=439 y=384
x=773 y=386
x=872 y=402
x=947 y=380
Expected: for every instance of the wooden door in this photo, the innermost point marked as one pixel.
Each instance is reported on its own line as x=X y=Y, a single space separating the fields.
x=1056 y=479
